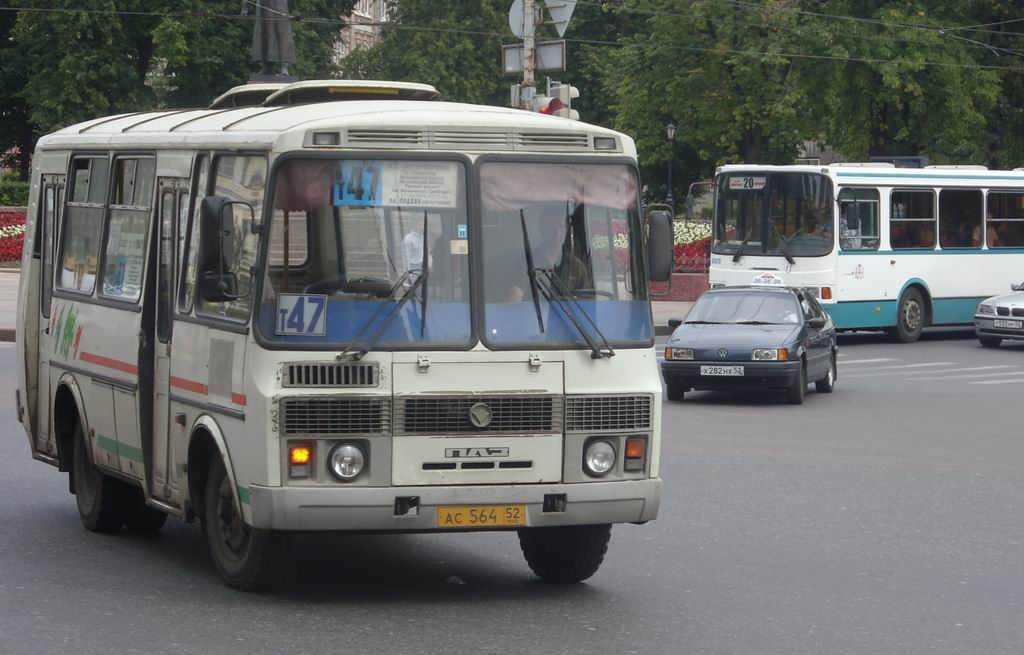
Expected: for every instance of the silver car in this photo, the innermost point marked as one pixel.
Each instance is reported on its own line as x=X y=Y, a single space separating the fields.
x=1001 y=317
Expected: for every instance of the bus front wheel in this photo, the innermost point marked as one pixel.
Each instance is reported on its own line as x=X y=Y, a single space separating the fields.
x=246 y=558
x=570 y=553
x=910 y=317
x=100 y=498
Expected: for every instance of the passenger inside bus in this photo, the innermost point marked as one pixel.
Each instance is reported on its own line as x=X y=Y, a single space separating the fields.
x=556 y=252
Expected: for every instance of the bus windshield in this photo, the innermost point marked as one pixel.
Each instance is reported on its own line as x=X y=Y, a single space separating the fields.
x=561 y=255
x=771 y=213
x=368 y=254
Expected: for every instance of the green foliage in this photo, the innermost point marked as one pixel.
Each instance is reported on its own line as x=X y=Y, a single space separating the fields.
x=13 y=192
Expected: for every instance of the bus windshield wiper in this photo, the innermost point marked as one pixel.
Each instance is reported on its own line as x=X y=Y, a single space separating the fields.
x=784 y=242
x=357 y=350
x=739 y=251
x=555 y=295
x=531 y=270
x=702 y=322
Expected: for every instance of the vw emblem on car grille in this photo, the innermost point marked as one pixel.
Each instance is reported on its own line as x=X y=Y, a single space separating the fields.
x=723 y=352
x=480 y=415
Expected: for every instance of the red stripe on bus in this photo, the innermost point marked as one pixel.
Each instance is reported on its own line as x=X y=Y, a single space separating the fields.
x=238 y=398
x=189 y=385
x=117 y=365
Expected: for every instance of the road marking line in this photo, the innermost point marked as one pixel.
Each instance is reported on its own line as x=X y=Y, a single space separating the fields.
x=965 y=377
x=964 y=370
x=997 y=381
x=889 y=368
x=868 y=361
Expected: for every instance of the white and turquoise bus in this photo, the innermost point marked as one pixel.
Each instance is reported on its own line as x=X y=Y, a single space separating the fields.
x=883 y=247
x=344 y=306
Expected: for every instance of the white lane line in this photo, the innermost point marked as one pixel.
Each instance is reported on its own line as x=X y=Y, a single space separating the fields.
x=997 y=381
x=868 y=361
x=889 y=368
x=963 y=370
x=895 y=370
x=965 y=377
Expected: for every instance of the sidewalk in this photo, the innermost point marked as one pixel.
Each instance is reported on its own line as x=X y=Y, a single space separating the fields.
x=662 y=309
x=8 y=302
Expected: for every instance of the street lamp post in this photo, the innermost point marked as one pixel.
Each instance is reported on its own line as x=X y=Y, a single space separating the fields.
x=670 y=131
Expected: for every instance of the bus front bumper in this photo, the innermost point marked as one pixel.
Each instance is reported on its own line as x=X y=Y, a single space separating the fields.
x=387 y=508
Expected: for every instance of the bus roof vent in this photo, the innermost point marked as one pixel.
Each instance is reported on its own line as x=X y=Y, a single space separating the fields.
x=246 y=95
x=963 y=167
x=337 y=90
x=329 y=374
x=470 y=139
x=553 y=141
x=864 y=164
x=384 y=138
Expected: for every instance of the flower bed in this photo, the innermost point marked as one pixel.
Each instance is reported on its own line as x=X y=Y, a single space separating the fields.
x=12 y=237
x=692 y=246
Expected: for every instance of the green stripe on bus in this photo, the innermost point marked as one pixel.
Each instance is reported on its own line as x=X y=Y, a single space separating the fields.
x=244 y=495
x=119 y=449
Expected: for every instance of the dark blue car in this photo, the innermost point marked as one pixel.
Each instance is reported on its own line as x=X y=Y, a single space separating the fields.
x=767 y=337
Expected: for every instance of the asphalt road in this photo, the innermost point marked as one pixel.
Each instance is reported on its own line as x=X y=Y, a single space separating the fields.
x=887 y=517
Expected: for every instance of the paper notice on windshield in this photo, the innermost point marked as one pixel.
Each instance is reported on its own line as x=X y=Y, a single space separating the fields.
x=420 y=183
x=748 y=182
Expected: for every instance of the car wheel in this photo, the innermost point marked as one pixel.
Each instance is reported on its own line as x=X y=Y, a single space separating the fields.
x=795 y=393
x=569 y=553
x=100 y=498
x=675 y=392
x=246 y=558
x=990 y=342
x=828 y=383
x=910 y=316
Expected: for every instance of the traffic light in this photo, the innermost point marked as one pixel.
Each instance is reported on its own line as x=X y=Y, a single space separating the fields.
x=559 y=102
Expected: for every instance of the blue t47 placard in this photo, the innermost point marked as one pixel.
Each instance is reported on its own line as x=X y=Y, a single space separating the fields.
x=301 y=314
x=359 y=184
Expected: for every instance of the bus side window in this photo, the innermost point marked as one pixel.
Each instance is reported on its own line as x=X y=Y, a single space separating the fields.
x=46 y=219
x=912 y=222
x=83 y=223
x=1004 y=222
x=960 y=218
x=858 y=218
x=187 y=290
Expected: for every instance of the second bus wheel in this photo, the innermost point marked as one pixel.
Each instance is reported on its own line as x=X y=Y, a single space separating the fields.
x=100 y=498
x=910 y=317
x=569 y=553
x=246 y=558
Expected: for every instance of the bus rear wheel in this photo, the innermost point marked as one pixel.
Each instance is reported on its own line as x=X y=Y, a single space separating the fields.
x=100 y=498
x=570 y=553
x=910 y=316
x=245 y=557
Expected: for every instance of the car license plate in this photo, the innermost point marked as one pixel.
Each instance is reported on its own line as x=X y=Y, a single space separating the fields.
x=480 y=516
x=1003 y=323
x=721 y=370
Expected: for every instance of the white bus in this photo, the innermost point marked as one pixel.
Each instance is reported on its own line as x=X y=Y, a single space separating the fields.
x=344 y=306
x=883 y=247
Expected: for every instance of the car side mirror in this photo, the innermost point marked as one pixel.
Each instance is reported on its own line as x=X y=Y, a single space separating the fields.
x=675 y=322
x=659 y=245
x=816 y=323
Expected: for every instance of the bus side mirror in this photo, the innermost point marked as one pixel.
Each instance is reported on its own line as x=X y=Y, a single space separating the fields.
x=217 y=279
x=1017 y=287
x=659 y=245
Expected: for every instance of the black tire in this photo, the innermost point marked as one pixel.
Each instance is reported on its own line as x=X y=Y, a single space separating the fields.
x=796 y=391
x=100 y=498
x=910 y=317
x=570 y=553
x=246 y=558
x=675 y=392
x=990 y=342
x=828 y=383
x=142 y=518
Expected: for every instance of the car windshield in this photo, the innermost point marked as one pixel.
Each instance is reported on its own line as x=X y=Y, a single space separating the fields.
x=754 y=307
x=767 y=213
x=561 y=254
x=367 y=251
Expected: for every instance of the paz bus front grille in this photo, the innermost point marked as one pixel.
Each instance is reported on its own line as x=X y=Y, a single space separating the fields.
x=329 y=416
x=451 y=414
x=604 y=413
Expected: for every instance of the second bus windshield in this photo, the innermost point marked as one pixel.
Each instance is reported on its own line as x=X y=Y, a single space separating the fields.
x=766 y=213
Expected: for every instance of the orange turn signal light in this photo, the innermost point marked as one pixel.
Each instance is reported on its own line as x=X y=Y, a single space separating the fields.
x=636 y=448
x=300 y=455
x=783 y=354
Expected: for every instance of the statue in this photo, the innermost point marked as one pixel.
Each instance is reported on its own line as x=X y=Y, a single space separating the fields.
x=272 y=44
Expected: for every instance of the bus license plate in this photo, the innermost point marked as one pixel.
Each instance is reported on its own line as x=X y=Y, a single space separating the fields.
x=721 y=370
x=1003 y=323
x=480 y=516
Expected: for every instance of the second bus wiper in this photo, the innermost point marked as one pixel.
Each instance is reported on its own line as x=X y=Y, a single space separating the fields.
x=554 y=294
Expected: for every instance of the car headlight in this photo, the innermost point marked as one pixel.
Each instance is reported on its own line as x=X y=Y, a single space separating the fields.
x=678 y=353
x=770 y=355
x=986 y=309
x=347 y=461
x=599 y=458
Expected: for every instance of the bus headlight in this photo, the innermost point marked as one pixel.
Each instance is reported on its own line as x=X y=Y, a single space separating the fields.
x=346 y=461
x=598 y=458
x=770 y=355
